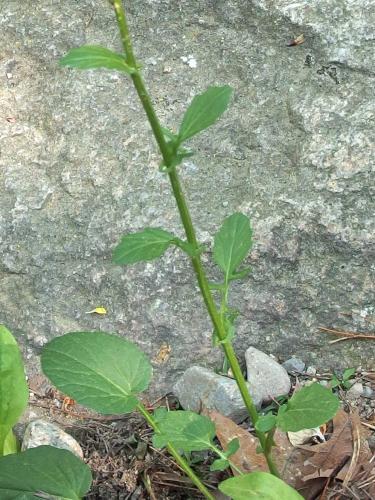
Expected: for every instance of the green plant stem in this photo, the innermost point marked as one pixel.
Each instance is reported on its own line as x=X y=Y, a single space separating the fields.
x=179 y=459
x=167 y=155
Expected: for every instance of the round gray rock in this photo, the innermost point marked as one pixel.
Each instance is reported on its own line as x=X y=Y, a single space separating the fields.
x=42 y=433
x=199 y=388
x=265 y=376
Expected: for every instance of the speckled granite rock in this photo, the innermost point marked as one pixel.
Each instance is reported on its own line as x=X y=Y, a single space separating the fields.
x=42 y=433
x=199 y=388
x=78 y=168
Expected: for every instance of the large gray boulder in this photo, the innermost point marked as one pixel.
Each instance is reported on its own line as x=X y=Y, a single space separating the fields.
x=78 y=168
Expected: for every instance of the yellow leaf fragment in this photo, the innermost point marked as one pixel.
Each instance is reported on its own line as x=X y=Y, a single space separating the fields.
x=98 y=310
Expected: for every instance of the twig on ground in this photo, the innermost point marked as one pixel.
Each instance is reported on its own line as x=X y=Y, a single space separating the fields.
x=347 y=335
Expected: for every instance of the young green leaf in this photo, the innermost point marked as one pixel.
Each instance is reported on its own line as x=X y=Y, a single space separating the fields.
x=348 y=374
x=310 y=407
x=203 y=111
x=186 y=430
x=148 y=244
x=258 y=485
x=47 y=470
x=99 y=370
x=14 y=392
x=233 y=447
x=265 y=423
x=219 y=464
x=94 y=57
x=232 y=243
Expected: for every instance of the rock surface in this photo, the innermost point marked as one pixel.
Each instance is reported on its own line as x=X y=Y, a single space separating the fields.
x=295 y=152
x=294 y=365
x=43 y=433
x=199 y=388
x=265 y=376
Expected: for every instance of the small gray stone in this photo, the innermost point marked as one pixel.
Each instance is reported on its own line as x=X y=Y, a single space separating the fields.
x=201 y=388
x=265 y=376
x=311 y=370
x=355 y=391
x=40 y=432
x=367 y=392
x=294 y=365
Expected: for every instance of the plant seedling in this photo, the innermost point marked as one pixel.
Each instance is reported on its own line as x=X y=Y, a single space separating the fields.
x=345 y=381
x=107 y=373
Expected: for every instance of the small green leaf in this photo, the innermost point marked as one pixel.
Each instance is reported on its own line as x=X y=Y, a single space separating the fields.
x=45 y=469
x=310 y=407
x=148 y=244
x=219 y=464
x=186 y=430
x=233 y=447
x=232 y=243
x=258 y=485
x=94 y=57
x=204 y=110
x=335 y=382
x=265 y=423
x=241 y=274
x=14 y=392
x=99 y=370
x=348 y=374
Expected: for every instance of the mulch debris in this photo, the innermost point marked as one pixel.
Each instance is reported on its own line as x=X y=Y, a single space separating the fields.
x=126 y=466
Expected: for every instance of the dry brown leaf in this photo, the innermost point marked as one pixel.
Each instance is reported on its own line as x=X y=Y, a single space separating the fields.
x=334 y=453
x=246 y=458
x=304 y=436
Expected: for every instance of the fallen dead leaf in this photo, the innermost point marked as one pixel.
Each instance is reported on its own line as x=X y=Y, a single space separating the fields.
x=246 y=458
x=304 y=436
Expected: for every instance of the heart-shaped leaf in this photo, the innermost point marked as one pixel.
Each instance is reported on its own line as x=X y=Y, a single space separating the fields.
x=45 y=470
x=99 y=370
x=186 y=430
x=94 y=57
x=204 y=110
x=258 y=485
x=148 y=244
x=310 y=407
x=232 y=243
x=14 y=392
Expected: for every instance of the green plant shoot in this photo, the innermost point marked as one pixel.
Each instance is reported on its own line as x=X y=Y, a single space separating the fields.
x=107 y=373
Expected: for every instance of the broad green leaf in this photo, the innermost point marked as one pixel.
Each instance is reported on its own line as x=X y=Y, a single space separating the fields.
x=258 y=485
x=232 y=243
x=14 y=392
x=219 y=464
x=266 y=422
x=232 y=447
x=99 y=370
x=44 y=469
x=94 y=57
x=186 y=430
x=310 y=407
x=146 y=245
x=204 y=110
